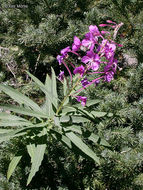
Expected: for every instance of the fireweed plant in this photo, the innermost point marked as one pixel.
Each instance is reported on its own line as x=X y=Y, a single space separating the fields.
x=99 y=58
x=56 y=120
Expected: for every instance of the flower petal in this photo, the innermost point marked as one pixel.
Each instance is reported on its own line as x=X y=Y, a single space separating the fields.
x=85 y=59
x=86 y=42
x=76 y=41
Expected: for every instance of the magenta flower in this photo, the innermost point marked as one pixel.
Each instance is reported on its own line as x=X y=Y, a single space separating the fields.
x=110 y=49
x=79 y=70
x=94 y=30
x=97 y=82
x=89 y=41
x=60 y=59
x=76 y=45
x=82 y=99
x=104 y=32
x=65 y=51
x=64 y=54
x=110 y=21
x=109 y=76
x=92 y=59
x=84 y=82
x=96 y=52
x=106 y=49
x=61 y=76
x=110 y=70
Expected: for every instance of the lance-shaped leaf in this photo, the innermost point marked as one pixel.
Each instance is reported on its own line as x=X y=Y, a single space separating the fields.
x=8 y=134
x=94 y=138
x=8 y=123
x=50 y=83
x=37 y=154
x=38 y=82
x=24 y=111
x=13 y=165
x=103 y=142
x=60 y=137
x=82 y=146
x=12 y=120
x=98 y=114
x=19 y=97
x=74 y=128
x=5 y=130
x=54 y=89
x=31 y=151
x=65 y=89
x=7 y=116
x=92 y=102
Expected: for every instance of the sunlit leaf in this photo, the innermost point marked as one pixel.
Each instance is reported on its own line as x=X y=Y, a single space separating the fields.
x=19 y=97
x=13 y=165
x=37 y=157
x=23 y=111
x=82 y=146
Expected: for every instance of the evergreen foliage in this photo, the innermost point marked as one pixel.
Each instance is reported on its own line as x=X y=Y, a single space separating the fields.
x=34 y=36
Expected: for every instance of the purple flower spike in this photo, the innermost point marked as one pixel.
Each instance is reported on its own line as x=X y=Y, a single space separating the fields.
x=80 y=70
x=61 y=76
x=76 y=45
x=84 y=82
x=82 y=99
x=65 y=51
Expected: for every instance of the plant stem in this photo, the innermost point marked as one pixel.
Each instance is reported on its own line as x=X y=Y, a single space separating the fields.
x=62 y=103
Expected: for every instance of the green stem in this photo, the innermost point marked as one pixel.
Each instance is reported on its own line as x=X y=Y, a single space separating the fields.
x=62 y=103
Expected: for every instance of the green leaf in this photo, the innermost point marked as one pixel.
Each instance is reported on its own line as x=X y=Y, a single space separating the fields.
x=5 y=130
x=36 y=160
x=54 y=89
x=86 y=114
x=31 y=151
x=38 y=82
x=94 y=138
x=50 y=90
x=65 y=89
x=9 y=123
x=49 y=98
x=24 y=111
x=74 y=128
x=7 y=116
x=79 y=119
x=103 y=142
x=44 y=88
x=60 y=137
x=57 y=121
x=67 y=109
x=92 y=102
x=98 y=114
x=13 y=165
x=82 y=146
x=19 y=97
x=65 y=119
x=11 y=134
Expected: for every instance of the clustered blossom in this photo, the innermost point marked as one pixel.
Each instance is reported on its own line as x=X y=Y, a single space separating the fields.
x=98 y=58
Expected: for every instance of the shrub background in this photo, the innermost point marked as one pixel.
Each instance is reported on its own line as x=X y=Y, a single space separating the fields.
x=31 y=38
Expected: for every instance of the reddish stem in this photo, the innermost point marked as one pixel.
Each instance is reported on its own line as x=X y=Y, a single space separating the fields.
x=88 y=85
x=67 y=69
